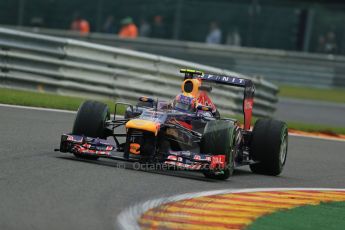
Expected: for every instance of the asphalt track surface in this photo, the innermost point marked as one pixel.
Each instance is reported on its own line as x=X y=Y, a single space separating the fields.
x=308 y=111
x=43 y=189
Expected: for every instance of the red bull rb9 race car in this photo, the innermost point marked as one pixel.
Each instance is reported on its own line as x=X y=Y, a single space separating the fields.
x=186 y=133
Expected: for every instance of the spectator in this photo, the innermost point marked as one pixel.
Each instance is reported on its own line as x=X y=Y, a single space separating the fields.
x=144 y=29
x=81 y=25
x=321 y=44
x=128 y=28
x=158 y=28
x=233 y=38
x=109 y=26
x=37 y=22
x=215 y=34
x=330 y=43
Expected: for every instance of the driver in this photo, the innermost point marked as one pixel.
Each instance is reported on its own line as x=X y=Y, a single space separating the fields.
x=185 y=103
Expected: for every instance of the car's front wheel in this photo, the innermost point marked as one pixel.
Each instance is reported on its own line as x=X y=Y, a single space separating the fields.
x=218 y=139
x=90 y=122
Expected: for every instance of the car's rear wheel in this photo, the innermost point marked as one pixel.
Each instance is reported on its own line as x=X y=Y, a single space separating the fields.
x=90 y=122
x=218 y=139
x=269 y=147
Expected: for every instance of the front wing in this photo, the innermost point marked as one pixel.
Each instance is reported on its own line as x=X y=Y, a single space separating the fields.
x=82 y=145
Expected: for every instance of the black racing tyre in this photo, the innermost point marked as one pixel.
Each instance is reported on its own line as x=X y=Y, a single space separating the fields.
x=218 y=139
x=90 y=122
x=269 y=146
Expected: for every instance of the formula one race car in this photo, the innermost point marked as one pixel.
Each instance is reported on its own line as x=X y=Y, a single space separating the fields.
x=186 y=133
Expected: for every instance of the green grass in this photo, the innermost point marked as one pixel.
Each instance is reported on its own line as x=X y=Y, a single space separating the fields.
x=330 y=216
x=302 y=126
x=46 y=100
x=330 y=95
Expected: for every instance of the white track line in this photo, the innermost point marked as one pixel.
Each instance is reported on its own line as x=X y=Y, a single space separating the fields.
x=74 y=112
x=128 y=219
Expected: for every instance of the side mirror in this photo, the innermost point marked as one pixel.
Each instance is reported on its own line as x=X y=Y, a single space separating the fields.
x=204 y=108
x=146 y=99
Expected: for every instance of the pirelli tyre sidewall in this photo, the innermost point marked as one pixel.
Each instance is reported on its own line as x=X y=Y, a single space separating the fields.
x=90 y=121
x=218 y=138
x=269 y=146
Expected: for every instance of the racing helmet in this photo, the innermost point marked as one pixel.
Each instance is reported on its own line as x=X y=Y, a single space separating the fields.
x=184 y=103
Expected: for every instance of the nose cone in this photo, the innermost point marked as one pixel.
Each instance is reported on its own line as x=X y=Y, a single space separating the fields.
x=145 y=125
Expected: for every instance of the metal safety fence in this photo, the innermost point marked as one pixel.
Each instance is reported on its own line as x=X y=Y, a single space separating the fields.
x=278 y=66
x=72 y=67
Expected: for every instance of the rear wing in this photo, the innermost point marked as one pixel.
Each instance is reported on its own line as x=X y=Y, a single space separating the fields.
x=248 y=92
